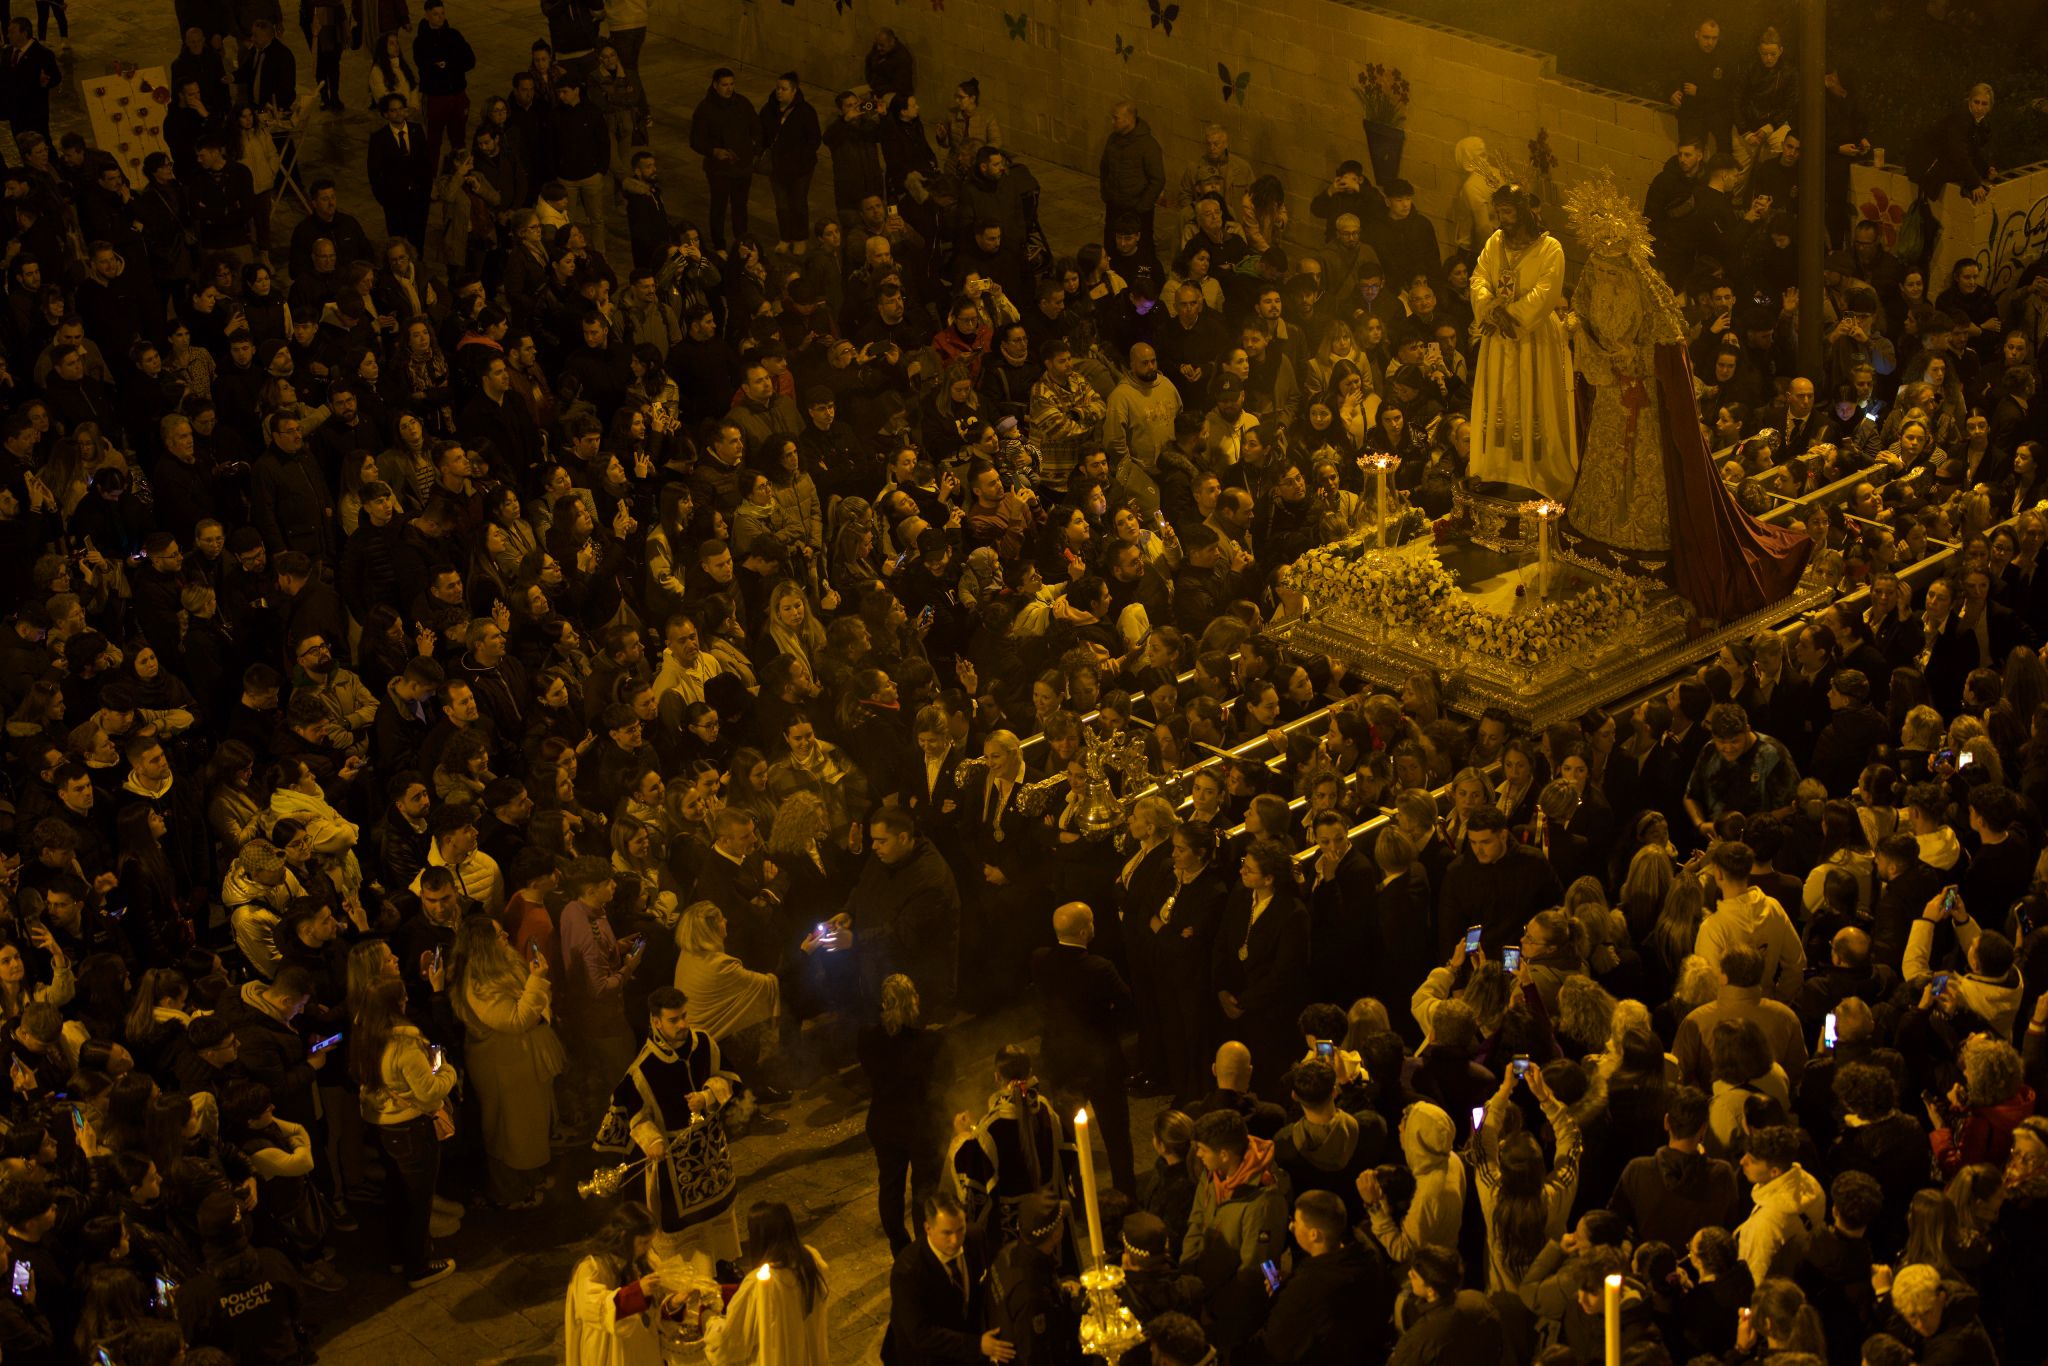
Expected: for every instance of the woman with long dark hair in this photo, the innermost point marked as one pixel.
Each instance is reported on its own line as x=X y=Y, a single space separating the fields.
x=405 y=1085
x=778 y=1313
x=148 y=888
x=1525 y=1201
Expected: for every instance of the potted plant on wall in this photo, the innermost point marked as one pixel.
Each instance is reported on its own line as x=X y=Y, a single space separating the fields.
x=1383 y=93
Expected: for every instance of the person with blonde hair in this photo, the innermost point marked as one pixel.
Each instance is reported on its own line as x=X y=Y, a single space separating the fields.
x=909 y=1075
x=502 y=998
x=736 y=1006
x=1143 y=884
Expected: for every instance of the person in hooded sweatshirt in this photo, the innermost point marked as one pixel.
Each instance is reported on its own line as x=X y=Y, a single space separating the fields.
x=1240 y=1214
x=1936 y=1318
x=1427 y=1136
x=1991 y=987
x=1320 y=1150
x=1673 y=1193
x=1748 y=918
x=1789 y=1203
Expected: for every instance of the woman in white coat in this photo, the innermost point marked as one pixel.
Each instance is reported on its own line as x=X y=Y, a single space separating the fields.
x=615 y=1297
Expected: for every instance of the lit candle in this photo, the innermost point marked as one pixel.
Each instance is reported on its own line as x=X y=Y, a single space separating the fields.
x=1614 y=1321
x=761 y=1312
x=1085 y=1146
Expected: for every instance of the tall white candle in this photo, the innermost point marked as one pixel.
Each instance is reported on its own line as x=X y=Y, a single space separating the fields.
x=1613 y=1307
x=1383 y=504
x=761 y=1312
x=1084 y=1145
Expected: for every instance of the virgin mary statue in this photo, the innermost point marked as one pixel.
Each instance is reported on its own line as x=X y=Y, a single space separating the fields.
x=1647 y=499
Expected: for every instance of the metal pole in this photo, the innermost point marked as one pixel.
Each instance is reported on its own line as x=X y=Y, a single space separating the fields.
x=1813 y=153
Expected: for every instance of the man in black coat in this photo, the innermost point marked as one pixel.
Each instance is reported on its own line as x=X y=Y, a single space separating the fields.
x=1495 y=884
x=905 y=909
x=1085 y=1007
x=401 y=172
x=1337 y=1305
x=583 y=152
x=328 y=220
x=1341 y=919
x=222 y=198
x=289 y=498
x=725 y=132
x=935 y=1303
x=1909 y=884
x=28 y=73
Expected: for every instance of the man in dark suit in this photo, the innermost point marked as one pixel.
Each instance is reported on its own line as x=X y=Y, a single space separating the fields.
x=268 y=73
x=28 y=73
x=1341 y=923
x=401 y=172
x=1085 y=1007
x=935 y=1303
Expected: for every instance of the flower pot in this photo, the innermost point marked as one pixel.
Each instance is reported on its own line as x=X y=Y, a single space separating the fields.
x=1383 y=142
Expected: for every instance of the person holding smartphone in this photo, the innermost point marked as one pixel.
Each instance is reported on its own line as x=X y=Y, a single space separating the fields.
x=513 y=1056
x=404 y=1095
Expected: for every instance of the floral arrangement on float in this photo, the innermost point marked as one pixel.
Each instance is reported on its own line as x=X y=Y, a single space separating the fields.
x=1412 y=589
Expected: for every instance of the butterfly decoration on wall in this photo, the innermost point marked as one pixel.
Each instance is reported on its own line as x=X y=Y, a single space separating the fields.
x=1124 y=49
x=1233 y=85
x=1163 y=16
x=1018 y=24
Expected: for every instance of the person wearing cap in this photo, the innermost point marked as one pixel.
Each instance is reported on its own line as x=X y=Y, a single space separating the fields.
x=245 y=1300
x=1224 y=427
x=1027 y=1304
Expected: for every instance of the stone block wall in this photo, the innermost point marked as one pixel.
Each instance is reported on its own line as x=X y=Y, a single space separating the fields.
x=1051 y=88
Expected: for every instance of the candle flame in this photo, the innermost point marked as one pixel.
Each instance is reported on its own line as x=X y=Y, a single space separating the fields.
x=762 y=1274
x=1613 y=1282
x=1080 y=1117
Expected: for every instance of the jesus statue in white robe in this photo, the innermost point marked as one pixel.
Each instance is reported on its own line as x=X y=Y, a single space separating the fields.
x=1524 y=428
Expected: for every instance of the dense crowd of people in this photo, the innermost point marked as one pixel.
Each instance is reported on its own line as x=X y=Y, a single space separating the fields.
x=504 y=683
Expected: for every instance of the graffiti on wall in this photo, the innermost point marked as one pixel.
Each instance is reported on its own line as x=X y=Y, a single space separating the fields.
x=2017 y=238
